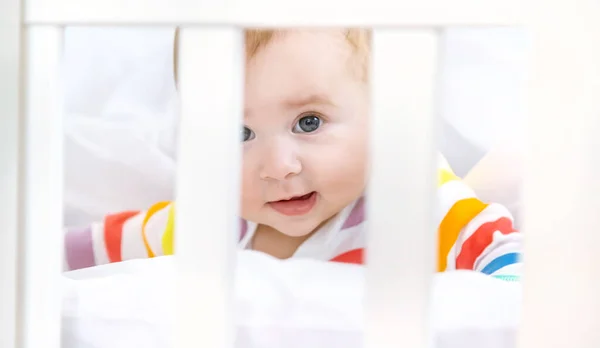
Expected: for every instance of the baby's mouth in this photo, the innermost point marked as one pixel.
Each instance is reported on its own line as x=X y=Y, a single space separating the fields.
x=297 y=198
x=294 y=206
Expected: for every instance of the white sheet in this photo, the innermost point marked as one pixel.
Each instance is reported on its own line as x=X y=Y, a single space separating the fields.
x=277 y=304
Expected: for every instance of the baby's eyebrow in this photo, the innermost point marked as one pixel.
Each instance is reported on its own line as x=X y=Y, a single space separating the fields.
x=300 y=102
x=312 y=99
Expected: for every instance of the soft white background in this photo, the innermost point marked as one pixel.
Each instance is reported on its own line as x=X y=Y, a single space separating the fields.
x=121 y=114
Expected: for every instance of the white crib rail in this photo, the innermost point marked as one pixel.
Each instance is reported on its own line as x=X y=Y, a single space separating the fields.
x=274 y=13
x=397 y=297
x=211 y=83
x=10 y=67
x=562 y=184
x=41 y=237
x=31 y=185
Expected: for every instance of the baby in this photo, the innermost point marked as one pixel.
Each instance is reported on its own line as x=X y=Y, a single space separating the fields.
x=305 y=153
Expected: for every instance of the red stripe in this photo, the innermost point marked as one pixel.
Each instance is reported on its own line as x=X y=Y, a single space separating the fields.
x=113 y=233
x=481 y=239
x=353 y=256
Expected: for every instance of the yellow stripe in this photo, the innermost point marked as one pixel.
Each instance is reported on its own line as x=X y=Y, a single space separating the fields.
x=461 y=213
x=153 y=210
x=445 y=175
x=167 y=239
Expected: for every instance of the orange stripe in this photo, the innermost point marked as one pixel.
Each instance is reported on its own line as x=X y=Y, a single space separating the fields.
x=113 y=233
x=461 y=213
x=153 y=210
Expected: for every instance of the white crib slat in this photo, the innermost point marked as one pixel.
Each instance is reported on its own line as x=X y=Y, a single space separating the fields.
x=211 y=76
x=276 y=13
x=374 y=13
x=42 y=248
x=10 y=32
x=401 y=238
x=562 y=185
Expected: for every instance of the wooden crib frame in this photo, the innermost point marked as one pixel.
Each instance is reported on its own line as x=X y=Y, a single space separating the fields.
x=561 y=287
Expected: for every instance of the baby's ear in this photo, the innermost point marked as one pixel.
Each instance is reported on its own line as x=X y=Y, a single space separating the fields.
x=176 y=55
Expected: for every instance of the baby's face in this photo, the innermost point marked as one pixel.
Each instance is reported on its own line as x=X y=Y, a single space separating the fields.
x=306 y=119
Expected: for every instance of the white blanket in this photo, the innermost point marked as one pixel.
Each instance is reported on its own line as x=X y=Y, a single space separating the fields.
x=277 y=304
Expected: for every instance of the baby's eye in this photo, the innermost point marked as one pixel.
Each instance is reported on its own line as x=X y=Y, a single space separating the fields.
x=307 y=124
x=248 y=134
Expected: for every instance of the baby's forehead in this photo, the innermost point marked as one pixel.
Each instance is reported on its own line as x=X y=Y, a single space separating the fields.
x=299 y=64
x=257 y=39
x=351 y=45
x=282 y=44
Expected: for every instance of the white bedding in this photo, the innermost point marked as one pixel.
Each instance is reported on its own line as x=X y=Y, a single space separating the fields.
x=277 y=304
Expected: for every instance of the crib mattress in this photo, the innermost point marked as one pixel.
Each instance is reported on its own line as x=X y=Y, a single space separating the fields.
x=296 y=303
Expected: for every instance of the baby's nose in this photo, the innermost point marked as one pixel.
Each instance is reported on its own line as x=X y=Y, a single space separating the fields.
x=280 y=163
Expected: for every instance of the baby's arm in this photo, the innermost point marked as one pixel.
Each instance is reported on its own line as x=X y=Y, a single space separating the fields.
x=474 y=235
x=120 y=237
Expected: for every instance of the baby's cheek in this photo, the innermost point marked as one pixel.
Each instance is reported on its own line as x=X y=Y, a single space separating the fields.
x=343 y=174
x=249 y=206
x=352 y=157
x=353 y=165
x=250 y=193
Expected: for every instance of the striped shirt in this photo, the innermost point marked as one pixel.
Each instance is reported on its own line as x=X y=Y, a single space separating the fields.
x=472 y=235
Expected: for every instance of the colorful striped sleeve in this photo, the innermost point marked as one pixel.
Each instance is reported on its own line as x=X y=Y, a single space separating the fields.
x=474 y=235
x=120 y=237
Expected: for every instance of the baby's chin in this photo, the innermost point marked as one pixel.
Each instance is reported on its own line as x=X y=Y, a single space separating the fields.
x=299 y=228
x=297 y=232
